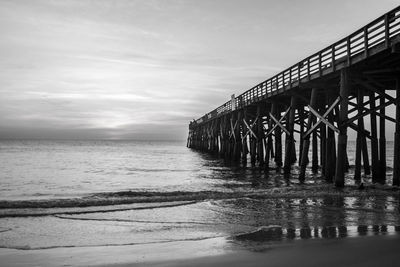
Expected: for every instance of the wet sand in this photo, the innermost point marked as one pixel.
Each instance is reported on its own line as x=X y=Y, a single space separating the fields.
x=361 y=251
x=380 y=250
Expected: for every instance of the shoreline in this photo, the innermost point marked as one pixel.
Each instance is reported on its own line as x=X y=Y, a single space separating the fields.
x=372 y=250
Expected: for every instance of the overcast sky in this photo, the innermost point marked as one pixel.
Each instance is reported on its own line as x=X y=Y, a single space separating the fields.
x=143 y=69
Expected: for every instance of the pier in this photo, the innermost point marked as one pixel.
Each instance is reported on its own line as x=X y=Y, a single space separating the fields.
x=312 y=105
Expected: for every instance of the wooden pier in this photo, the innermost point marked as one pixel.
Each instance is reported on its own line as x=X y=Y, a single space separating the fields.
x=314 y=104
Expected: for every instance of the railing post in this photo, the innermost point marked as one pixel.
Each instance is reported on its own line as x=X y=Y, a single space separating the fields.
x=298 y=73
x=333 y=57
x=387 y=31
x=348 y=48
x=320 y=64
x=290 y=77
x=365 y=42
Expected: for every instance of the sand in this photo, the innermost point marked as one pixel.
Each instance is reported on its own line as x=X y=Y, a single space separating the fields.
x=381 y=250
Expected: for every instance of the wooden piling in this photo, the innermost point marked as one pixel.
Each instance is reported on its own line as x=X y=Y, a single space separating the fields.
x=342 y=138
x=229 y=141
x=222 y=136
x=360 y=124
x=306 y=144
x=364 y=147
x=301 y=123
x=244 y=150
x=330 y=145
x=396 y=159
x=253 y=147
x=260 y=137
x=322 y=133
x=314 y=167
x=236 y=118
x=278 y=138
x=374 y=141
x=289 y=136
x=268 y=143
x=382 y=142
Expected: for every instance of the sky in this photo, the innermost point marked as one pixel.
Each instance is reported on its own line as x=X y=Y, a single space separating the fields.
x=128 y=69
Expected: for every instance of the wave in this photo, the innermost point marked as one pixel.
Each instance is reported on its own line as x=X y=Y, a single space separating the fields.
x=135 y=221
x=34 y=212
x=27 y=247
x=159 y=170
x=127 y=200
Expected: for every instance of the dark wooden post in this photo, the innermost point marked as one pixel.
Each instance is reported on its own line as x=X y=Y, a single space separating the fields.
x=222 y=124
x=314 y=152
x=205 y=134
x=364 y=147
x=396 y=160
x=382 y=142
x=374 y=141
x=226 y=132
x=360 y=124
x=306 y=145
x=236 y=136
x=268 y=143
x=188 y=143
x=289 y=137
x=260 y=136
x=322 y=137
x=210 y=135
x=301 y=123
x=200 y=145
x=330 y=145
x=243 y=129
x=342 y=138
x=278 y=138
x=229 y=140
x=213 y=136
x=216 y=136
x=253 y=147
x=201 y=138
x=322 y=133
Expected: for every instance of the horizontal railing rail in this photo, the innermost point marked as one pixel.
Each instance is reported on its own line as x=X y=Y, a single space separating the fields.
x=380 y=31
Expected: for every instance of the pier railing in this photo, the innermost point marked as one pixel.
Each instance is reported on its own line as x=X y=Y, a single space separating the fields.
x=347 y=51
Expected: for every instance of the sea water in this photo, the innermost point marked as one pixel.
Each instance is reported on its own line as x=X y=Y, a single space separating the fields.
x=97 y=193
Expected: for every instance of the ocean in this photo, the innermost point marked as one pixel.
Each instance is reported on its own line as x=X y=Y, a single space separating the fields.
x=107 y=193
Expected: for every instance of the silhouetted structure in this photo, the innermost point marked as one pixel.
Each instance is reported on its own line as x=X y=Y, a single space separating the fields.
x=322 y=95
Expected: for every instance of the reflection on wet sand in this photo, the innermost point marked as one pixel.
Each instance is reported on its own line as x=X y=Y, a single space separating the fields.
x=276 y=233
x=328 y=217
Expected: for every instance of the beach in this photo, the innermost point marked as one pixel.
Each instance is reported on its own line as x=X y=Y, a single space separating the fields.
x=203 y=211
x=199 y=133
x=381 y=250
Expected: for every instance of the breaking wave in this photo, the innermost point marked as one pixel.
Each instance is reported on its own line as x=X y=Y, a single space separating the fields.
x=130 y=200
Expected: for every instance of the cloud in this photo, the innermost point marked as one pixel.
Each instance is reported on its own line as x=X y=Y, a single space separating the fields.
x=131 y=69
